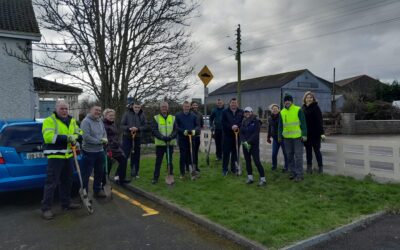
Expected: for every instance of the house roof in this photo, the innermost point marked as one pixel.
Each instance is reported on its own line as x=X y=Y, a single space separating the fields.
x=353 y=79
x=264 y=82
x=17 y=17
x=50 y=86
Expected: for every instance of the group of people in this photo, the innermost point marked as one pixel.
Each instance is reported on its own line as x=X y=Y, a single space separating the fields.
x=290 y=129
x=231 y=128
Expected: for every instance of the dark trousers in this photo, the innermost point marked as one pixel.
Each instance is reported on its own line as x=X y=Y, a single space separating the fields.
x=59 y=173
x=184 y=154
x=294 y=151
x=93 y=161
x=255 y=153
x=310 y=146
x=218 y=143
x=196 y=148
x=229 y=151
x=275 y=150
x=121 y=170
x=135 y=157
x=160 y=151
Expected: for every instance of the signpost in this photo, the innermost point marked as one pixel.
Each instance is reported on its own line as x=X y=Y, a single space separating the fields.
x=205 y=76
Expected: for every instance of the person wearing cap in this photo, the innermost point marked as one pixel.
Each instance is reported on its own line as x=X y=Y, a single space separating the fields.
x=250 y=139
x=232 y=118
x=273 y=122
x=293 y=132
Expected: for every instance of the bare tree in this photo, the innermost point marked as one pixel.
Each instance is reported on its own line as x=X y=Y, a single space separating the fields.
x=118 y=48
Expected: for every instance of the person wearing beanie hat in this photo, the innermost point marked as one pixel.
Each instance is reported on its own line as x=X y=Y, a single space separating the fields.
x=293 y=132
x=250 y=139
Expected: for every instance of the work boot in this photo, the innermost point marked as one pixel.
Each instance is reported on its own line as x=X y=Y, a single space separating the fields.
x=309 y=169
x=100 y=194
x=47 y=215
x=320 y=169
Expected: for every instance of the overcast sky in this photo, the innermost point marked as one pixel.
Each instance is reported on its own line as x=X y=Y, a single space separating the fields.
x=294 y=34
x=355 y=36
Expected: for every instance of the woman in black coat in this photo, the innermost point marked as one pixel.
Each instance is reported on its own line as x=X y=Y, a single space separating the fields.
x=114 y=150
x=315 y=130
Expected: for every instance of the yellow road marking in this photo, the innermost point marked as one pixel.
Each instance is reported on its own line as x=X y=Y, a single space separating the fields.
x=148 y=211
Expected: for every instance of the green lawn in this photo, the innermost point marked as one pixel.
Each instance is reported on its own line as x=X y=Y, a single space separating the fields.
x=281 y=212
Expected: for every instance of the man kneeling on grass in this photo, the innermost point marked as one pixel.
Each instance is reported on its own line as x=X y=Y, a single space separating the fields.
x=250 y=138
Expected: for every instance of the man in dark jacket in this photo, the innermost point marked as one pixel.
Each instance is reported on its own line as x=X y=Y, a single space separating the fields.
x=216 y=126
x=250 y=139
x=273 y=122
x=186 y=124
x=199 y=116
x=164 y=130
x=231 y=121
x=133 y=125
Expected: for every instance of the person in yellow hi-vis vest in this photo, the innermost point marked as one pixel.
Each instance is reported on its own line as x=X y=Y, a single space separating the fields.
x=293 y=132
x=59 y=131
x=164 y=131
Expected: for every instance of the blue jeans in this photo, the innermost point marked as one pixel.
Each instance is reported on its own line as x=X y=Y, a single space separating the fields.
x=275 y=150
x=93 y=161
x=294 y=151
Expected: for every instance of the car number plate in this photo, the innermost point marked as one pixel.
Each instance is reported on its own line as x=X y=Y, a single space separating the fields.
x=36 y=155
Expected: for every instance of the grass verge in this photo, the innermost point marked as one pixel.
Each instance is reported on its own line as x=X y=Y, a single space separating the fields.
x=281 y=212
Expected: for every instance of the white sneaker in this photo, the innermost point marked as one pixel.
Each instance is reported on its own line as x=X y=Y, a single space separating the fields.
x=116 y=178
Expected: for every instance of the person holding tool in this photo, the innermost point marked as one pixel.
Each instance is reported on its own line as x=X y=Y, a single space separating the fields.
x=94 y=139
x=133 y=124
x=250 y=139
x=196 y=137
x=231 y=121
x=187 y=125
x=59 y=132
x=164 y=130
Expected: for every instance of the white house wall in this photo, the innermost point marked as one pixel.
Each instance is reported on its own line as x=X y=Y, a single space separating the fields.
x=17 y=96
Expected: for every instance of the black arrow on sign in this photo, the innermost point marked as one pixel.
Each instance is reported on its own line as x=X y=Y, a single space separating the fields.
x=205 y=75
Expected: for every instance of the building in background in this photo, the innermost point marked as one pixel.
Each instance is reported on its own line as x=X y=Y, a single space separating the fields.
x=18 y=28
x=261 y=92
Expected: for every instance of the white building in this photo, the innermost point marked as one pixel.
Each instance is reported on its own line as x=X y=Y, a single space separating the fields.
x=18 y=28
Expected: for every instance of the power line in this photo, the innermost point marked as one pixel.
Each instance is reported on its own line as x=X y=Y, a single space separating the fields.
x=327 y=34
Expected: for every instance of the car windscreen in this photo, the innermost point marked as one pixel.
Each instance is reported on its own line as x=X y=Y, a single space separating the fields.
x=24 y=138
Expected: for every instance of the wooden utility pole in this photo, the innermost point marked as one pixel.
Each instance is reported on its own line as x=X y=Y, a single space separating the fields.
x=238 y=54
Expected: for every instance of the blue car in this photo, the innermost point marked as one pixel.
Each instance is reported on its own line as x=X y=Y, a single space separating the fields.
x=22 y=162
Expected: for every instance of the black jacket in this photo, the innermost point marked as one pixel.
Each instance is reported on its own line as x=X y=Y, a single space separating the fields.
x=113 y=138
x=250 y=130
x=229 y=119
x=131 y=119
x=273 y=122
x=314 y=122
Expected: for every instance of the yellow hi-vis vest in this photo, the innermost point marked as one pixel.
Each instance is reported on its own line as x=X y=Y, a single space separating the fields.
x=165 y=127
x=291 y=122
x=53 y=127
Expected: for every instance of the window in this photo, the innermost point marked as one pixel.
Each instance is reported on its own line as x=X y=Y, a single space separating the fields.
x=307 y=85
x=24 y=138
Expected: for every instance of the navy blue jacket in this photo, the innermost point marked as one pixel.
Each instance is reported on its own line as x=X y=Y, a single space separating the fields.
x=187 y=121
x=229 y=119
x=216 y=118
x=250 y=130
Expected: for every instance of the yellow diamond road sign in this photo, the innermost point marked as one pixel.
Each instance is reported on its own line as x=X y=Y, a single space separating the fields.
x=205 y=75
